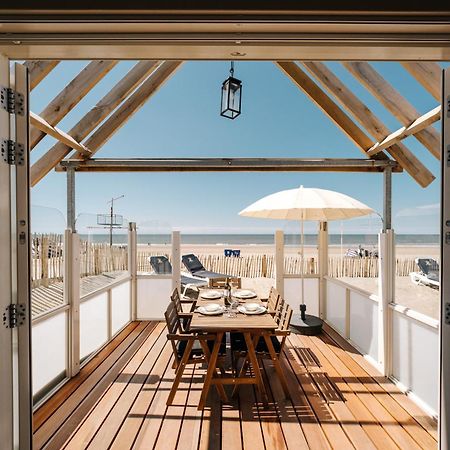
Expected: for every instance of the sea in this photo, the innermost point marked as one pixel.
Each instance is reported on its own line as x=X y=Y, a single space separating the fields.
x=265 y=239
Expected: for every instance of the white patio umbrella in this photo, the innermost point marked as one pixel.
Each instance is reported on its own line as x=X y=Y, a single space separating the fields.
x=306 y=204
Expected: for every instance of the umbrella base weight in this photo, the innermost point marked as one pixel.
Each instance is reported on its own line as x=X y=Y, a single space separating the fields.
x=311 y=326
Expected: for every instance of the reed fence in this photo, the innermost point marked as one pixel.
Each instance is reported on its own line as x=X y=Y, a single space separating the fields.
x=98 y=258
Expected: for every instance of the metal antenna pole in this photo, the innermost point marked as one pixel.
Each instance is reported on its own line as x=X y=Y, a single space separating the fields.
x=111 y=215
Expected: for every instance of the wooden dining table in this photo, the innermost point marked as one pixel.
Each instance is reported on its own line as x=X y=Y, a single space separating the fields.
x=253 y=327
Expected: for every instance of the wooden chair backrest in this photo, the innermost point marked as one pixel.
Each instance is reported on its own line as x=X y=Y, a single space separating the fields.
x=219 y=283
x=284 y=317
x=176 y=299
x=172 y=318
x=274 y=298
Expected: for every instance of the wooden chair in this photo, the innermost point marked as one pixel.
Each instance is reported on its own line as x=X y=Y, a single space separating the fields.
x=185 y=317
x=273 y=300
x=269 y=346
x=188 y=348
x=219 y=283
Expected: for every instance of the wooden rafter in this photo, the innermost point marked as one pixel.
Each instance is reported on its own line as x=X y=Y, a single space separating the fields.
x=38 y=70
x=428 y=74
x=419 y=124
x=72 y=94
x=394 y=102
x=370 y=121
x=93 y=118
x=229 y=165
x=45 y=127
x=131 y=105
x=327 y=105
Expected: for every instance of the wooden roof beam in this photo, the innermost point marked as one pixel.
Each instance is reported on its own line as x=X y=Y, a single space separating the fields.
x=351 y=103
x=394 y=102
x=229 y=165
x=428 y=74
x=38 y=70
x=93 y=118
x=45 y=127
x=327 y=105
x=131 y=105
x=71 y=95
x=419 y=124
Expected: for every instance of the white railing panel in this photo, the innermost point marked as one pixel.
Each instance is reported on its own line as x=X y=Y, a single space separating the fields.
x=292 y=294
x=336 y=307
x=153 y=295
x=364 y=323
x=93 y=324
x=415 y=364
x=49 y=344
x=120 y=306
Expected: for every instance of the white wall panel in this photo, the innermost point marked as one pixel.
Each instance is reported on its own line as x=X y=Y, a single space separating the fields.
x=153 y=295
x=364 y=323
x=292 y=294
x=93 y=324
x=49 y=356
x=336 y=294
x=416 y=358
x=120 y=306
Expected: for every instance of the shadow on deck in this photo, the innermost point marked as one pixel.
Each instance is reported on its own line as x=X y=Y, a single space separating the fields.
x=338 y=400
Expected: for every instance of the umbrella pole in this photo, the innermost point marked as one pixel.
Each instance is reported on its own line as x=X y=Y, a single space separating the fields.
x=302 y=261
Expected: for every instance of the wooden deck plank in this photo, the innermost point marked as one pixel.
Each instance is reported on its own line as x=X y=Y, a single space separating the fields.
x=136 y=414
x=361 y=415
x=109 y=411
x=119 y=401
x=427 y=422
x=192 y=420
x=60 y=424
x=364 y=386
x=55 y=401
x=328 y=421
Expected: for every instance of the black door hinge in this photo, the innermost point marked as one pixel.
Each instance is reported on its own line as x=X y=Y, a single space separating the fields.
x=12 y=101
x=14 y=316
x=12 y=152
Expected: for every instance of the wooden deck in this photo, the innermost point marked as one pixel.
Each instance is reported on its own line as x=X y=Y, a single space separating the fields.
x=338 y=401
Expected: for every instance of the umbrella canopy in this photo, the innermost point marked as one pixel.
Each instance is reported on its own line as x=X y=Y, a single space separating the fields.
x=307 y=204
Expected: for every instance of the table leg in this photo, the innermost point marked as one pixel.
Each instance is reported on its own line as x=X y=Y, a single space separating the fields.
x=244 y=366
x=179 y=372
x=211 y=370
x=254 y=361
x=276 y=363
x=219 y=387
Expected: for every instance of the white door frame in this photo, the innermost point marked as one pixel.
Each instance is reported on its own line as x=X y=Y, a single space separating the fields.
x=444 y=396
x=15 y=289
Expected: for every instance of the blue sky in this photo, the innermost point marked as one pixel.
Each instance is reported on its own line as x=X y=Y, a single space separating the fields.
x=182 y=119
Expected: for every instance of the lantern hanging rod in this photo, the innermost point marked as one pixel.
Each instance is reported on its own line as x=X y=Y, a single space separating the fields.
x=228 y=165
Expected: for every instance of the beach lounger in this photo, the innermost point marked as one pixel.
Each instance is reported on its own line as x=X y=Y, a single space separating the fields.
x=195 y=267
x=428 y=274
x=161 y=265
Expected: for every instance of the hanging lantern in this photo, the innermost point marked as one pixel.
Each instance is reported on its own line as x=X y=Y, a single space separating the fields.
x=230 y=106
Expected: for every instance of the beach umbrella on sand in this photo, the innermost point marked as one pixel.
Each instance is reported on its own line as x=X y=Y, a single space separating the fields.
x=306 y=204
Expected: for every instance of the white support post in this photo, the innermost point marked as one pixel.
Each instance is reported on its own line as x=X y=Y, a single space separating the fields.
x=323 y=268
x=386 y=295
x=72 y=297
x=132 y=267
x=176 y=261
x=279 y=261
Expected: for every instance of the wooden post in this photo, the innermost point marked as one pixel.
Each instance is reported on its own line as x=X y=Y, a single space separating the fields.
x=323 y=268
x=279 y=261
x=176 y=261
x=132 y=267
x=386 y=295
x=72 y=297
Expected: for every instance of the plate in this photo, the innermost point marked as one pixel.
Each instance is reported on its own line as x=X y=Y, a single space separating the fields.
x=244 y=294
x=202 y=310
x=210 y=295
x=260 y=310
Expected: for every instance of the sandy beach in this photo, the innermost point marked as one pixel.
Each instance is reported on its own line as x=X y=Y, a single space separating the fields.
x=407 y=251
